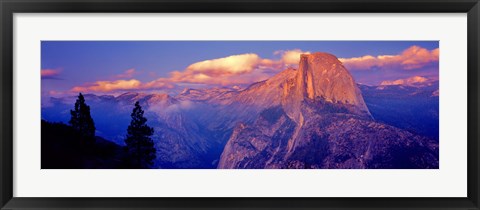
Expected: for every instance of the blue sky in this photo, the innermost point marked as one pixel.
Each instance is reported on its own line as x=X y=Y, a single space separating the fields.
x=132 y=64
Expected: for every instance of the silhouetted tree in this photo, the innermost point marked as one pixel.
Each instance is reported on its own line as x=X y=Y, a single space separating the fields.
x=81 y=120
x=140 y=146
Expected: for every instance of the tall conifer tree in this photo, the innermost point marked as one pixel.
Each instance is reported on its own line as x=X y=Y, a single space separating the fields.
x=81 y=120
x=140 y=146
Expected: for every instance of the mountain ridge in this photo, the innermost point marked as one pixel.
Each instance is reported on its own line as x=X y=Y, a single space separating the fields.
x=321 y=96
x=286 y=113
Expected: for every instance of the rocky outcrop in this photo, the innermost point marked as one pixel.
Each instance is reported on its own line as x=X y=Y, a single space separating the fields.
x=333 y=140
x=326 y=77
x=317 y=118
x=321 y=76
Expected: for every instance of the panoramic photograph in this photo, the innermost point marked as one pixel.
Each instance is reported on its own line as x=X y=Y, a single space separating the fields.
x=240 y=105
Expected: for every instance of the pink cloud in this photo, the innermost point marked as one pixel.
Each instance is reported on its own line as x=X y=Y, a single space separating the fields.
x=234 y=64
x=234 y=69
x=411 y=81
x=55 y=93
x=231 y=70
x=120 y=85
x=290 y=57
x=49 y=73
x=413 y=57
x=127 y=74
x=160 y=83
x=107 y=86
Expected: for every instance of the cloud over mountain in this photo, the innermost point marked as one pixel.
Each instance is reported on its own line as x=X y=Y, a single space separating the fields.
x=107 y=86
x=234 y=64
x=414 y=57
x=290 y=57
x=234 y=69
x=411 y=81
x=231 y=70
x=248 y=68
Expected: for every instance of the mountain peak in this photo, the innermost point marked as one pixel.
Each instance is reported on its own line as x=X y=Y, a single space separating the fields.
x=321 y=76
x=319 y=55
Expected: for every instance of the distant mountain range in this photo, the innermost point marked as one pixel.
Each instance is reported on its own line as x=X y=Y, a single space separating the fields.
x=315 y=116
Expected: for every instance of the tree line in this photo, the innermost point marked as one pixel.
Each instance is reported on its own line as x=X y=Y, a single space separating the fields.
x=139 y=147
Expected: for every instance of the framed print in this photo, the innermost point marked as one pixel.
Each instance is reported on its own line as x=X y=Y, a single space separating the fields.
x=239 y=105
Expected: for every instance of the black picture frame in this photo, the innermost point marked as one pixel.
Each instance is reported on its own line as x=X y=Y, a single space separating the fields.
x=10 y=7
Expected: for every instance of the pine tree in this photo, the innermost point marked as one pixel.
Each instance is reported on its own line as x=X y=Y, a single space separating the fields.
x=81 y=120
x=140 y=146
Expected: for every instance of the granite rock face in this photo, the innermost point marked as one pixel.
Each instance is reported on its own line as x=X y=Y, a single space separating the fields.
x=321 y=76
x=325 y=140
x=322 y=121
